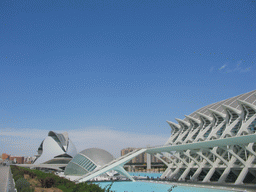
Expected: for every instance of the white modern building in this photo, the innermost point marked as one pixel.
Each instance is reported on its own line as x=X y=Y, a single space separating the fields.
x=55 y=150
x=88 y=160
x=213 y=144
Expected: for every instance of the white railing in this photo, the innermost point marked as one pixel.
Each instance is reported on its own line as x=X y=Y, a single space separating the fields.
x=10 y=181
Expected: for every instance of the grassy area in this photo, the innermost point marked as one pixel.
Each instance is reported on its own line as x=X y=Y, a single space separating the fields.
x=28 y=180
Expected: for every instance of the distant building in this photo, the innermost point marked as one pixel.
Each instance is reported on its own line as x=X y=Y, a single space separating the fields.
x=5 y=156
x=139 y=159
x=142 y=158
x=29 y=160
x=126 y=151
x=17 y=159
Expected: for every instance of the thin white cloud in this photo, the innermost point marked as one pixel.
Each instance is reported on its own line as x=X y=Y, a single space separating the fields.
x=26 y=142
x=238 y=68
x=222 y=67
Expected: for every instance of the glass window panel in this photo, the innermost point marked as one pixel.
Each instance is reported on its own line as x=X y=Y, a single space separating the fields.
x=91 y=167
x=88 y=165
x=73 y=169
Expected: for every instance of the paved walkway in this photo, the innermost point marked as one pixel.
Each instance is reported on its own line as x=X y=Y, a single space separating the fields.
x=4 y=171
x=5 y=174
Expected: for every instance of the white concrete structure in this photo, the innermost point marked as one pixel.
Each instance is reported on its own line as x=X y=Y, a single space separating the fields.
x=116 y=165
x=88 y=160
x=215 y=143
x=56 y=149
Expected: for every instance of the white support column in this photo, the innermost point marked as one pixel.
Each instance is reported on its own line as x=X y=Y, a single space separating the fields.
x=198 y=171
x=230 y=164
x=121 y=170
x=196 y=174
x=158 y=157
x=148 y=161
x=177 y=155
x=185 y=173
x=227 y=170
x=200 y=153
x=236 y=155
x=244 y=171
x=214 y=152
x=211 y=171
x=187 y=170
x=249 y=148
x=169 y=166
x=224 y=175
x=173 y=174
x=241 y=176
x=167 y=172
x=170 y=159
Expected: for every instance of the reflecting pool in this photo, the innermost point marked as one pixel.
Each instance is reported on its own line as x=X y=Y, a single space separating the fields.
x=141 y=186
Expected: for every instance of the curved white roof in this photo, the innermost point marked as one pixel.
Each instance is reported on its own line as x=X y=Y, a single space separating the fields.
x=88 y=160
x=231 y=102
x=56 y=145
x=98 y=156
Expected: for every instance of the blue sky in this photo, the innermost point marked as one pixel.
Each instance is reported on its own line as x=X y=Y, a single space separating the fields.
x=118 y=67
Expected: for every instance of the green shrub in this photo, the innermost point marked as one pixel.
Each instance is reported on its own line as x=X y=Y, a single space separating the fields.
x=26 y=172
x=94 y=187
x=28 y=189
x=17 y=173
x=17 y=177
x=64 y=188
x=47 y=182
x=22 y=184
x=32 y=175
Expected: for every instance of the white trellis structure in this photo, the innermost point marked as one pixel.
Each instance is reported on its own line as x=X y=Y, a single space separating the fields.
x=214 y=143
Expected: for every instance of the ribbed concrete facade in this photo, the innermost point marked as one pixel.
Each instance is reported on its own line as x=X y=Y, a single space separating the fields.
x=232 y=163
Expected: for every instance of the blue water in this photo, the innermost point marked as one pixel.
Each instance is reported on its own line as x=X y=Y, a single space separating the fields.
x=140 y=186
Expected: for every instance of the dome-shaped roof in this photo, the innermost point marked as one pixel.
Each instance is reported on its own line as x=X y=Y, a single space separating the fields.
x=98 y=156
x=88 y=160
